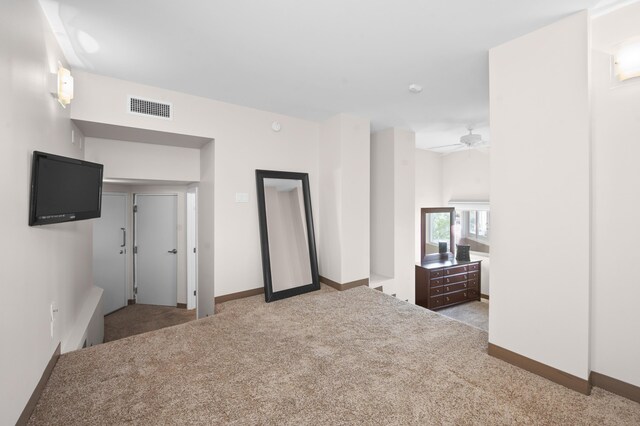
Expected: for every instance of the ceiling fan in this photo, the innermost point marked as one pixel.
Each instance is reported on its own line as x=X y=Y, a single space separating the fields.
x=472 y=140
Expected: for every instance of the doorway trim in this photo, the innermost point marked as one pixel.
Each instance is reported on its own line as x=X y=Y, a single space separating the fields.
x=192 y=246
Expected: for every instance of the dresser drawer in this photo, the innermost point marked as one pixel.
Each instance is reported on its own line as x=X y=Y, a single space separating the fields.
x=472 y=284
x=435 y=273
x=436 y=291
x=449 y=288
x=436 y=302
x=473 y=275
x=455 y=270
x=455 y=279
x=436 y=282
x=473 y=294
x=474 y=267
x=456 y=297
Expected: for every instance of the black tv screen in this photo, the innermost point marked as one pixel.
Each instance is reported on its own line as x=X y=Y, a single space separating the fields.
x=64 y=189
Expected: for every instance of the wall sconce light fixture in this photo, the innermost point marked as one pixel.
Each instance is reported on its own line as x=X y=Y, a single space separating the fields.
x=64 y=86
x=627 y=60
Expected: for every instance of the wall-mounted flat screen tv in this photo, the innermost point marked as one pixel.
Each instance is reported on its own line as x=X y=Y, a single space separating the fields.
x=64 y=189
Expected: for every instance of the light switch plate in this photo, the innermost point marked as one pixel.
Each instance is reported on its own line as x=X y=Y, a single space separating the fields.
x=242 y=197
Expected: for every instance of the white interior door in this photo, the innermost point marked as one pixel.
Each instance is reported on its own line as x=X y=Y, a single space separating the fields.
x=156 y=248
x=109 y=251
x=192 y=256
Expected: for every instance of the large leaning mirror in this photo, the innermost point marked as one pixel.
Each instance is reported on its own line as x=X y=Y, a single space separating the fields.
x=289 y=262
x=437 y=236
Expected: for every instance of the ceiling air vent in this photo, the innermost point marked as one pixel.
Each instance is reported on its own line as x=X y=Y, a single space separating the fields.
x=151 y=108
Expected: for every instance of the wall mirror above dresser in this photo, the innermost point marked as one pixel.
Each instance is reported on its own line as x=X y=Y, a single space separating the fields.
x=437 y=233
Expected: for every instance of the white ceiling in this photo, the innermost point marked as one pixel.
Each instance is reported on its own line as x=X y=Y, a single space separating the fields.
x=311 y=59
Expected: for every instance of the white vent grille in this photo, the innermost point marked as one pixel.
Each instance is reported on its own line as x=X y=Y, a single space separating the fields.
x=149 y=107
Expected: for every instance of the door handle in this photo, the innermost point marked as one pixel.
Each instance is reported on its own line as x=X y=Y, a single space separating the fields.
x=174 y=251
x=124 y=237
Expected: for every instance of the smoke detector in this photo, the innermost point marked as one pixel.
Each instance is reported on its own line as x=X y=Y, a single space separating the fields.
x=415 y=88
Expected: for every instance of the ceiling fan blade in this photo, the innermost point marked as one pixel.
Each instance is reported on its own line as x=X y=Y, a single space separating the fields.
x=445 y=146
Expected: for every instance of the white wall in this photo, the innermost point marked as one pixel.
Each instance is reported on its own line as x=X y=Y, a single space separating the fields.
x=393 y=210
x=133 y=160
x=39 y=264
x=382 y=203
x=344 y=199
x=206 y=241
x=244 y=142
x=540 y=165
x=615 y=347
x=465 y=175
x=404 y=234
x=428 y=188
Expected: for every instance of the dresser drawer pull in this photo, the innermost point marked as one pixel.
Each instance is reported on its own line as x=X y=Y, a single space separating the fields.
x=447 y=298
x=448 y=280
x=465 y=294
x=465 y=285
x=448 y=290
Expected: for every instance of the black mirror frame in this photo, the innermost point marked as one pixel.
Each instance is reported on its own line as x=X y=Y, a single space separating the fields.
x=269 y=294
x=452 y=217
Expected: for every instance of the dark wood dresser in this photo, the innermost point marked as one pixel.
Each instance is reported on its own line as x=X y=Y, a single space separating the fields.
x=447 y=282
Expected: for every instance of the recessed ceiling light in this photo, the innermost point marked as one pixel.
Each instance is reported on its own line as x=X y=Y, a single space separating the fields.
x=415 y=88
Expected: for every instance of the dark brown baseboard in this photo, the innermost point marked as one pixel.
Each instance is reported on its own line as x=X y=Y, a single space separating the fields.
x=616 y=386
x=560 y=377
x=345 y=286
x=35 y=396
x=131 y=301
x=239 y=295
x=181 y=305
x=484 y=296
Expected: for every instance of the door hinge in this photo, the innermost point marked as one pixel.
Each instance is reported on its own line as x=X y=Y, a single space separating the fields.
x=135 y=209
x=135 y=290
x=135 y=249
x=194 y=292
x=194 y=249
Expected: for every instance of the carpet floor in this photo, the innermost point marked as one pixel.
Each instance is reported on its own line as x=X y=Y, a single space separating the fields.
x=474 y=313
x=352 y=357
x=137 y=319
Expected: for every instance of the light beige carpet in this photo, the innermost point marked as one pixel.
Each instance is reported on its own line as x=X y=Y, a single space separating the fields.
x=137 y=319
x=323 y=358
x=473 y=313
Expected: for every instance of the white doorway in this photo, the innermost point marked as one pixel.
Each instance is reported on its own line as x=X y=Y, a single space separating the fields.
x=109 y=251
x=155 y=251
x=192 y=247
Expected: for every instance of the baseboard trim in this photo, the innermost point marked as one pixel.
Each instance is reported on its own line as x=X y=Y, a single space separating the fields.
x=37 y=392
x=345 y=286
x=560 y=377
x=624 y=389
x=484 y=296
x=131 y=301
x=378 y=288
x=181 y=305
x=239 y=295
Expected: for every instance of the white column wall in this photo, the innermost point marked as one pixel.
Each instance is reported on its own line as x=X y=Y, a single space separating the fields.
x=393 y=200
x=540 y=195
x=344 y=199
x=615 y=346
